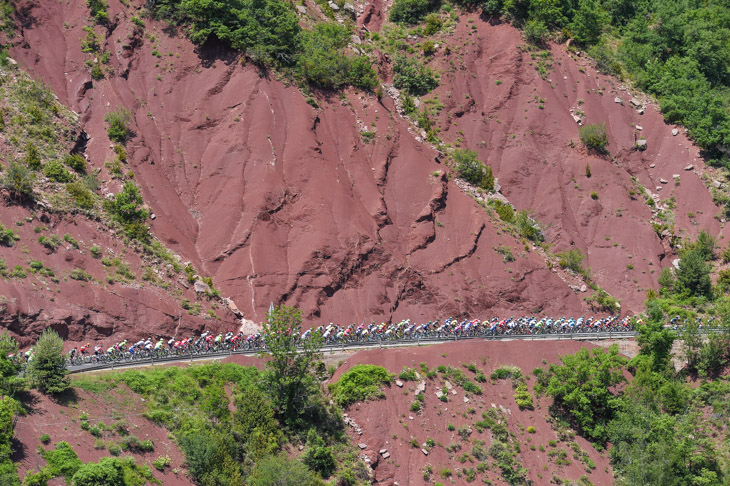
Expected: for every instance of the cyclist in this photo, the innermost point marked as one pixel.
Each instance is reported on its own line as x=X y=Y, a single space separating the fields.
x=72 y=353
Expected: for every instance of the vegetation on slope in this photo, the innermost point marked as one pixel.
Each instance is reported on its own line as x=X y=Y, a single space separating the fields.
x=268 y=33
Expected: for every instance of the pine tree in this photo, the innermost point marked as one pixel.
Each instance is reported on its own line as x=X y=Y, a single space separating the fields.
x=48 y=366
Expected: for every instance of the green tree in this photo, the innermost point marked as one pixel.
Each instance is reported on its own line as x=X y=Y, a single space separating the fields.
x=282 y=471
x=8 y=369
x=47 y=369
x=288 y=376
x=8 y=471
x=588 y=22
x=581 y=389
x=655 y=341
x=693 y=275
x=254 y=423
x=535 y=32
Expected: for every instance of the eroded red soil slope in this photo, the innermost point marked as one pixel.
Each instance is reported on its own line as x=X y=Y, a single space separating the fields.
x=390 y=424
x=279 y=201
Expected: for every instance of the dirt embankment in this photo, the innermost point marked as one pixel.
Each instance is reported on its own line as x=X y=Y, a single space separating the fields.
x=390 y=424
x=279 y=201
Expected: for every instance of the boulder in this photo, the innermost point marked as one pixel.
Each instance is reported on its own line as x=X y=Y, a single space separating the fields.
x=635 y=102
x=201 y=287
x=675 y=132
x=577 y=119
x=663 y=181
x=399 y=383
x=362 y=446
x=302 y=9
x=334 y=6
x=356 y=40
x=618 y=100
x=425 y=452
x=639 y=127
x=689 y=167
x=349 y=7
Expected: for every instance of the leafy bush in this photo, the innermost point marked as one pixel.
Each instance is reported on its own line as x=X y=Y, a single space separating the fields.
x=412 y=11
x=504 y=210
x=527 y=227
x=593 y=136
x=32 y=156
x=99 y=10
x=48 y=367
x=535 y=32
x=472 y=170
x=411 y=75
x=281 y=470
x=323 y=61
x=581 y=389
x=79 y=274
x=76 y=162
x=51 y=242
x=18 y=179
x=267 y=31
x=7 y=236
x=572 y=260
x=523 y=397
x=415 y=406
x=408 y=374
x=119 y=121
x=45 y=438
x=318 y=457
x=601 y=300
x=361 y=382
x=693 y=274
x=55 y=171
x=81 y=195
x=161 y=463
x=112 y=471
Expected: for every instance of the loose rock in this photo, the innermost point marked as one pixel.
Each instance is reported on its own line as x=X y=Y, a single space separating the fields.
x=689 y=167
x=675 y=132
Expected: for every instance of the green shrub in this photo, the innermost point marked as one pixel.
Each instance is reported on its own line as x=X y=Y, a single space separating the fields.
x=32 y=156
x=523 y=397
x=76 y=162
x=99 y=10
x=161 y=463
x=410 y=75
x=360 y=383
x=55 y=171
x=408 y=374
x=95 y=251
x=416 y=406
x=527 y=227
x=62 y=461
x=71 y=240
x=531 y=429
x=503 y=210
x=323 y=60
x=267 y=31
x=601 y=300
x=45 y=438
x=51 y=242
x=412 y=11
x=79 y=274
x=433 y=24
x=81 y=195
x=573 y=260
x=594 y=195
x=318 y=457
x=535 y=32
x=7 y=236
x=472 y=170
x=18 y=179
x=118 y=121
x=593 y=136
